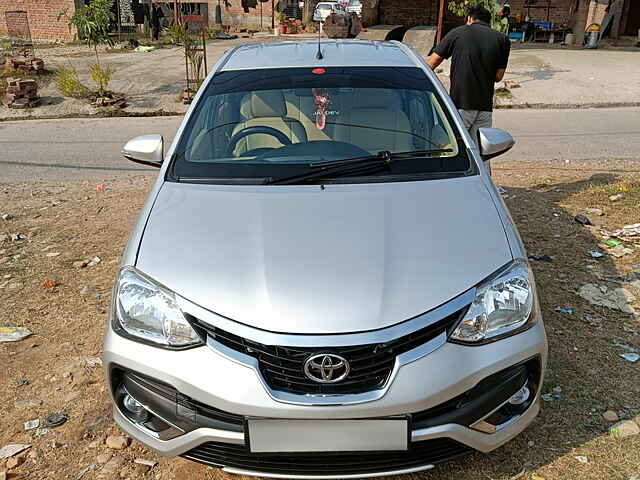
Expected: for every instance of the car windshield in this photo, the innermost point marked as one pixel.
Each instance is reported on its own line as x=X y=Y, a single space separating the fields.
x=324 y=7
x=253 y=125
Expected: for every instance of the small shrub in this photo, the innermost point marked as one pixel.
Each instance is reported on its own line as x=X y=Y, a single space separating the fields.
x=69 y=84
x=101 y=76
x=177 y=32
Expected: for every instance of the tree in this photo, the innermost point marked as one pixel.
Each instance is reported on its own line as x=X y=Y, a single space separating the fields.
x=92 y=23
x=461 y=7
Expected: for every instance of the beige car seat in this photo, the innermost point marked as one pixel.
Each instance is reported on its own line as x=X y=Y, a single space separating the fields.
x=376 y=122
x=266 y=108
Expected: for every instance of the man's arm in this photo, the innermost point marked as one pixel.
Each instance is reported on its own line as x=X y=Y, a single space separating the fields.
x=502 y=65
x=434 y=60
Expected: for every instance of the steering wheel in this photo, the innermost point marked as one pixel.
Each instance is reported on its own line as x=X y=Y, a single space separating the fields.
x=245 y=132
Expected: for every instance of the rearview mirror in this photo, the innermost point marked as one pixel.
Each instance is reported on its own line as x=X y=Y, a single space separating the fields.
x=494 y=142
x=146 y=149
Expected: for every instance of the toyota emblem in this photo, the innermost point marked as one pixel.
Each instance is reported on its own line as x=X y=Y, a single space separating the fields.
x=326 y=368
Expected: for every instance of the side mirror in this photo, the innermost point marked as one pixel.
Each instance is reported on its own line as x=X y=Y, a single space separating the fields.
x=146 y=149
x=494 y=142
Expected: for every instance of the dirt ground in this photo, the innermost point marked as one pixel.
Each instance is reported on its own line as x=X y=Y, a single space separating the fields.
x=55 y=370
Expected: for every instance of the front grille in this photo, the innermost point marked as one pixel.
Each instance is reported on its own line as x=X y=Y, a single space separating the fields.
x=371 y=365
x=328 y=463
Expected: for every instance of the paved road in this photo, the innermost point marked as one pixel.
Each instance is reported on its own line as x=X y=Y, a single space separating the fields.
x=89 y=148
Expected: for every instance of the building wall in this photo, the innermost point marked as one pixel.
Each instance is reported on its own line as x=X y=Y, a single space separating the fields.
x=42 y=15
x=559 y=14
x=233 y=13
x=410 y=13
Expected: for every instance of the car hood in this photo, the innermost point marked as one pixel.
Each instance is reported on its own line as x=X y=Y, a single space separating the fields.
x=300 y=259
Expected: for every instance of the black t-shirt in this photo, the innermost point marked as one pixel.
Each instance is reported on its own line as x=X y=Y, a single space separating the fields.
x=477 y=52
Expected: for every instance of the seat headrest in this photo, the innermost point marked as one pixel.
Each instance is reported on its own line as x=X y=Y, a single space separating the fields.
x=265 y=103
x=379 y=98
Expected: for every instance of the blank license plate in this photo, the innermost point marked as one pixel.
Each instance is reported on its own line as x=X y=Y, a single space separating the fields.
x=273 y=435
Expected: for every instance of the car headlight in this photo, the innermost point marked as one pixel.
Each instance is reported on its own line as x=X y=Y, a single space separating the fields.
x=148 y=312
x=503 y=306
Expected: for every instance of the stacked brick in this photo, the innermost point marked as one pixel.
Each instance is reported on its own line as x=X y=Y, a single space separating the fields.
x=27 y=65
x=21 y=93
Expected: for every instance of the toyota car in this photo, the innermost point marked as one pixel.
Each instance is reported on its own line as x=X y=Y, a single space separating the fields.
x=324 y=282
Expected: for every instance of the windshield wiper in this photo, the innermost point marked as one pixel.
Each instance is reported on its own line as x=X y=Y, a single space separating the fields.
x=352 y=166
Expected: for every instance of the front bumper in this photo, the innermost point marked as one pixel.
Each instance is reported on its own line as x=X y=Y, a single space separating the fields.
x=211 y=379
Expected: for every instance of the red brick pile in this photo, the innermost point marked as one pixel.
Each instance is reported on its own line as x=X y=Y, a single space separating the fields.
x=27 y=65
x=21 y=93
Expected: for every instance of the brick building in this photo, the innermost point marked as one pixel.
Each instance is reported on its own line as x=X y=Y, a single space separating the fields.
x=258 y=14
x=43 y=17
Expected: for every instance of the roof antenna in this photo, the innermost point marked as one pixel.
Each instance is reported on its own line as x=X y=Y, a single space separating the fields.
x=319 y=55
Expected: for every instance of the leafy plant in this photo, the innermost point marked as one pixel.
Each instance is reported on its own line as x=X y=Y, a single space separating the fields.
x=461 y=7
x=178 y=33
x=196 y=59
x=101 y=76
x=69 y=84
x=92 y=23
x=212 y=32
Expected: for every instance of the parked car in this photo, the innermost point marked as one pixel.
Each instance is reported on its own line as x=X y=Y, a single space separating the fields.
x=354 y=6
x=324 y=9
x=324 y=281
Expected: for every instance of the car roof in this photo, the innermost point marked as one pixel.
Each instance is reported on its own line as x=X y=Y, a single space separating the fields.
x=302 y=53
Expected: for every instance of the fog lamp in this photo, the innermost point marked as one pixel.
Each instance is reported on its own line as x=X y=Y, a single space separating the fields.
x=520 y=396
x=135 y=410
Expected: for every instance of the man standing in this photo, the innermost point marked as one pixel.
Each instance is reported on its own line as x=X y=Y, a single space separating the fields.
x=479 y=57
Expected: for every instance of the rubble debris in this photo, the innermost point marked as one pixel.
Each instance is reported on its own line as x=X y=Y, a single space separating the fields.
x=14 y=462
x=55 y=420
x=93 y=262
x=610 y=416
x=7 y=217
x=41 y=431
x=21 y=93
x=113 y=100
x=28 y=403
x=14 y=334
x=624 y=429
x=630 y=357
x=595 y=253
x=582 y=459
x=117 y=442
x=26 y=65
x=112 y=466
x=582 y=220
x=91 y=362
x=616 y=299
x=88 y=469
x=143 y=461
x=50 y=284
x=31 y=424
x=103 y=458
x=12 y=449
x=567 y=311
x=616 y=197
x=594 y=211
x=619 y=251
